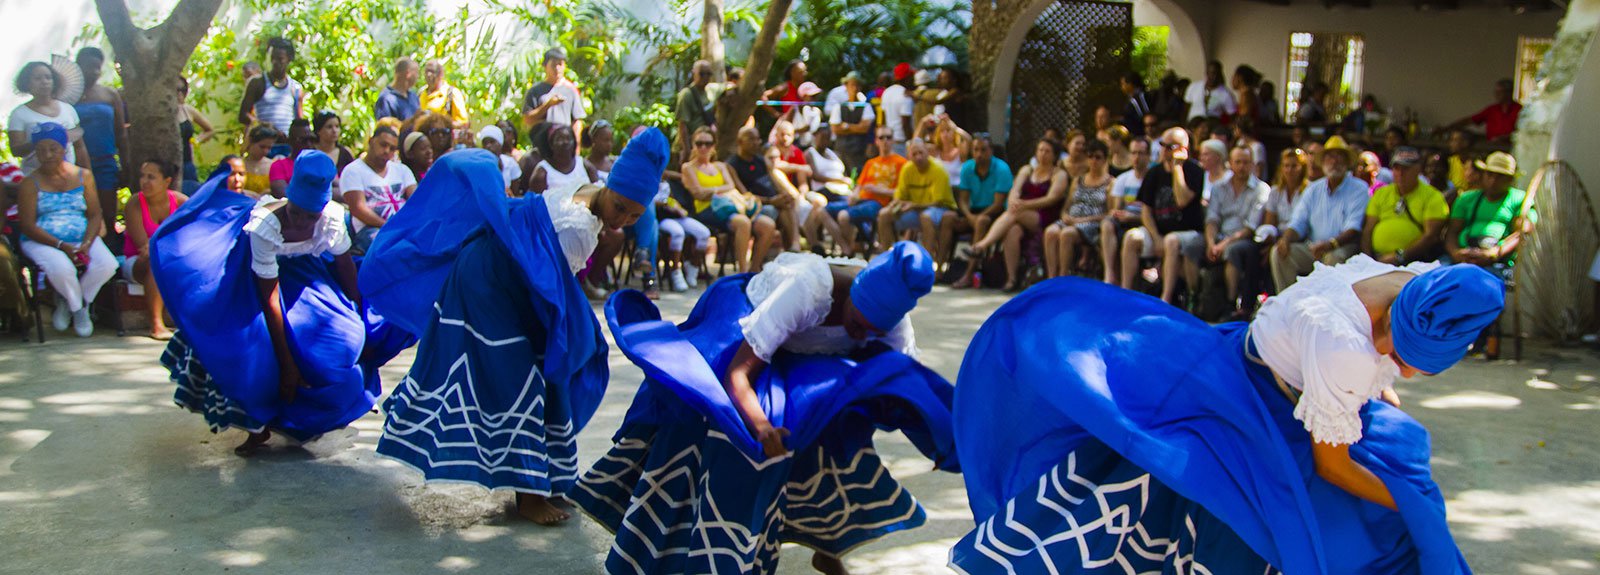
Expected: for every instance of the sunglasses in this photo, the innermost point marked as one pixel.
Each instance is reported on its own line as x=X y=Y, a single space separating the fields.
x=703 y=143
x=885 y=137
x=438 y=131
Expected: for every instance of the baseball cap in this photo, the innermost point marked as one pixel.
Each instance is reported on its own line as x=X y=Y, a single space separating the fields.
x=808 y=89
x=901 y=71
x=556 y=53
x=1405 y=156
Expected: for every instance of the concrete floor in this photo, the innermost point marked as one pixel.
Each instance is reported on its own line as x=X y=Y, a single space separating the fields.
x=99 y=473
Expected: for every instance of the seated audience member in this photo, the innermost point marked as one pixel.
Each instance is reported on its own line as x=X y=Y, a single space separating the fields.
x=58 y=212
x=1370 y=171
x=1460 y=158
x=145 y=211
x=790 y=176
x=922 y=198
x=1033 y=204
x=880 y=176
x=1487 y=225
x=1126 y=215
x=561 y=168
x=490 y=138
x=682 y=259
x=257 y=163
x=375 y=187
x=1499 y=119
x=1287 y=192
x=1214 y=160
x=1326 y=225
x=828 y=179
x=416 y=152
x=13 y=303
x=1404 y=219
x=723 y=204
x=1090 y=199
x=1118 y=159
x=1172 y=215
x=300 y=138
x=326 y=127
x=755 y=176
x=1231 y=219
x=980 y=198
x=1436 y=173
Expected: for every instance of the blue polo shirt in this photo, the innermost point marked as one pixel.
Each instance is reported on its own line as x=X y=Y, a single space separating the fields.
x=393 y=104
x=981 y=191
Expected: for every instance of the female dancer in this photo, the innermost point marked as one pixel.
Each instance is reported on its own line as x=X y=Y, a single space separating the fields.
x=270 y=331
x=512 y=363
x=809 y=356
x=1137 y=438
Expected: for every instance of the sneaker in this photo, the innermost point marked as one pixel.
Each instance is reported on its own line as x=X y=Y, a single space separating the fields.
x=691 y=274
x=594 y=292
x=62 y=316
x=81 y=324
x=678 y=283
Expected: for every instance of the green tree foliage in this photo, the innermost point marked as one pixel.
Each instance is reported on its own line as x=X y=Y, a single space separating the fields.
x=868 y=36
x=1150 y=52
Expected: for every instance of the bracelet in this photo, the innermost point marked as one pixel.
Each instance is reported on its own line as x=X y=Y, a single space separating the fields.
x=60 y=243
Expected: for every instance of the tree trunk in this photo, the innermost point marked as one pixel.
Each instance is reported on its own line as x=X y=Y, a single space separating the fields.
x=711 y=49
x=735 y=108
x=151 y=62
x=990 y=24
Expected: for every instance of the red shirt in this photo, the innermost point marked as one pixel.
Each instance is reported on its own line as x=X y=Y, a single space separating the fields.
x=1498 y=121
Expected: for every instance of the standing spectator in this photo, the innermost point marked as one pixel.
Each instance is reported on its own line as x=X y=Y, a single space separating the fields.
x=1244 y=136
x=273 y=99
x=695 y=106
x=490 y=138
x=1034 y=201
x=1092 y=198
x=59 y=215
x=1126 y=187
x=925 y=98
x=1487 y=225
x=439 y=97
x=146 y=210
x=188 y=118
x=1234 y=213
x=1271 y=114
x=980 y=199
x=794 y=74
x=1172 y=215
x=249 y=71
x=1326 y=225
x=398 y=100
x=1245 y=82
x=375 y=188
x=1312 y=110
x=40 y=81
x=301 y=138
x=953 y=98
x=1137 y=107
x=921 y=200
x=1499 y=119
x=898 y=106
x=554 y=100
x=807 y=119
x=105 y=128
x=259 y=142
x=1405 y=218
x=326 y=127
x=1211 y=99
x=852 y=120
x=874 y=190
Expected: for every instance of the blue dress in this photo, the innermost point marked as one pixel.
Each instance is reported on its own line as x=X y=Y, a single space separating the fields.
x=98 y=120
x=222 y=359
x=1086 y=453
x=511 y=363
x=686 y=488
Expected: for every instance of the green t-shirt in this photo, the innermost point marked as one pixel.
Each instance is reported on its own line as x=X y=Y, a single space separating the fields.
x=1485 y=218
x=1401 y=223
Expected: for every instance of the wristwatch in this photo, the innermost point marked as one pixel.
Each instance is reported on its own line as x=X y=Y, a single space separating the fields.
x=1400 y=255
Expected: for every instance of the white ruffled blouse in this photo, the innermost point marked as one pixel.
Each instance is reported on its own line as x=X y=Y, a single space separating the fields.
x=266 y=237
x=792 y=296
x=577 y=228
x=1317 y=336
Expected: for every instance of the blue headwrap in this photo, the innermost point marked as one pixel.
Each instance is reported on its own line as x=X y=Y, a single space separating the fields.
x=1439 y=314
x=48 y=131
x=312 y=182
x=891 y=284
x=637 y=172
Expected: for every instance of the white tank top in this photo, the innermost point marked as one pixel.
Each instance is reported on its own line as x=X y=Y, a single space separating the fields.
x=557 y=180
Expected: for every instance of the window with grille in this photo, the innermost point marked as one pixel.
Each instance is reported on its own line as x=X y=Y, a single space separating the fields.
x=1530 y=56
x=1333 y=59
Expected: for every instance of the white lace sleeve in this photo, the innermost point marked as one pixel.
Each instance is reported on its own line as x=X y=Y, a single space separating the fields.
x=577 y=228
x=335 y=235
x=266 y=240
x=1342 y=373
x=902 y=338
x=790 y=295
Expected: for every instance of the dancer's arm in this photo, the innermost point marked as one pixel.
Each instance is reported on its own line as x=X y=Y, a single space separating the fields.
x=745 y=368
x=1334 y=465
x=344 y=270
x=289 y=380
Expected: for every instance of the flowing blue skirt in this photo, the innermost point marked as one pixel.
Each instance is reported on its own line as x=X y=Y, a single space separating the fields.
x=222 y=358
x=1105 y=432
x=477 y=407
x=686 y=489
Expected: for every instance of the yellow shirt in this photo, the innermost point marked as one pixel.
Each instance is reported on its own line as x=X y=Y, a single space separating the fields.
x=1458 y=173
x=448 y=101
x=925 y=187
x=1395 y=228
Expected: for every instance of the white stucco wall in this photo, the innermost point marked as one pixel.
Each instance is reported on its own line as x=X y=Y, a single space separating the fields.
x=1441 y=63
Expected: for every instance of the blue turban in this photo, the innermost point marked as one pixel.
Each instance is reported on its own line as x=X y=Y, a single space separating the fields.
x=637 y=172
x=1439 y=314
x=48 y=131
x=891 y=284
x=312 y=182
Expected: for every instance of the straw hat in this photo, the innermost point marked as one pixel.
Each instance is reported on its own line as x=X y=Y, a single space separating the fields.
x=1336 y=144
x=1498 y=163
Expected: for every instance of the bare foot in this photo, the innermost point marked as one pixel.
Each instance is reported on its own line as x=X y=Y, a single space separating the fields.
x=160 y=334
x=252 y=444
x=828 y=564
x=538 y=509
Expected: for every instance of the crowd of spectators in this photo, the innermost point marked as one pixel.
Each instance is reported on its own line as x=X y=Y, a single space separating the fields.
x=1167 y=191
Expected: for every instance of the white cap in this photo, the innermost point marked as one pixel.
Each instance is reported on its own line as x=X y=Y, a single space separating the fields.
x=491 y=132
x=922 y=78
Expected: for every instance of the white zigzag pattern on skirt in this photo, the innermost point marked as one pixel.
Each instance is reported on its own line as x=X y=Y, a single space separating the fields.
x=1113 y=520
x=459 y=399
x=201 y=395
x=797 y=494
